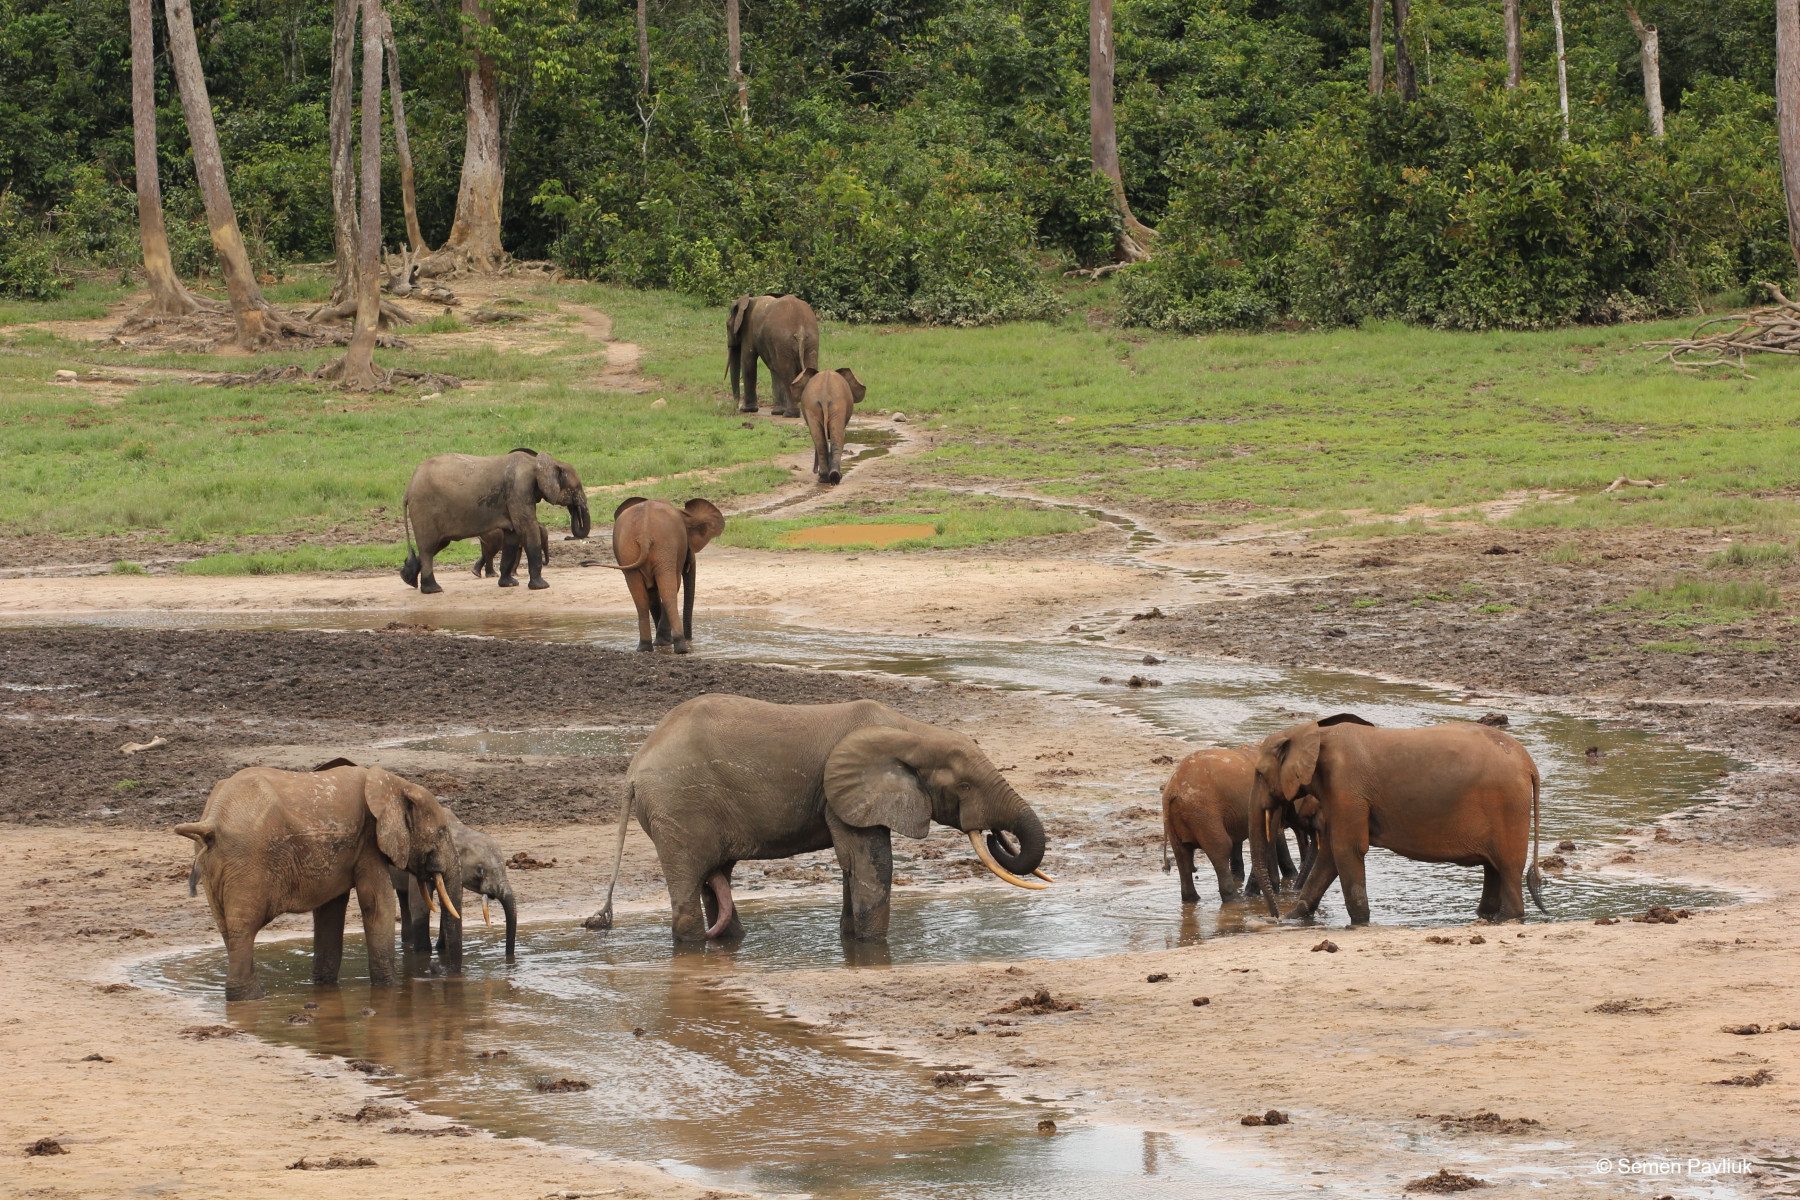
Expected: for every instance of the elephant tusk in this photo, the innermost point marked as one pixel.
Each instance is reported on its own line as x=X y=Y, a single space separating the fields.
x=1039 y=872
x=445 y=897
x=987 y=859
x=430 y=901
x=485 y=919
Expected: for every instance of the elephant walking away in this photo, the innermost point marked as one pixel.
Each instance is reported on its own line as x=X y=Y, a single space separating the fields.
x=727 y=778
x=456 y=496
x=494 y=541
x=1458 y=793
x=782 y=331
x=273 y=842
x=656 y=544
x=483 y=867
x=1206 y=806
x=826 y=401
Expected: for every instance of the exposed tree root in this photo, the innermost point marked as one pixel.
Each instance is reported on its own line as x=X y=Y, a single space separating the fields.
x=1099 y=272
x=167 y=306
x=209 y=329
x=331 y=373
x=345 y=310
x=1772 y=330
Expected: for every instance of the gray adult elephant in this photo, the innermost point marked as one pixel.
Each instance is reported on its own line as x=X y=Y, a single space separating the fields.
x=782 y=331
x=727 y=778
x=456 y=496
x=483 y=866
x=273 y=842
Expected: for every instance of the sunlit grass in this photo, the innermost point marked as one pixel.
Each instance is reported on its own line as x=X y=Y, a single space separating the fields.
x=319 y=558
x=960 y=521
x=1705 y=599
x=1742 y=554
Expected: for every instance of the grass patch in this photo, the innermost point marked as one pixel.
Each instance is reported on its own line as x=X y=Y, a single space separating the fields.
x=322 y=558
x=128 y=568
x=1494 y=608
x=1742 y=554
x=1365 y=602
x=1755 y=646
x=1564 y=552
x=1685 y=646
x=88 y=300
x=960 y=521
x=444 y=322
x=1704 y=601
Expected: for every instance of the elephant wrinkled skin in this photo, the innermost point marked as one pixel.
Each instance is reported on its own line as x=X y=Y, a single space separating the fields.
x=273 y=842
x=1206 y=806
x=782 y=331
x=457 y=496
x=483 y=867
x=827 y=398
x=727 y=778
x=656 y=544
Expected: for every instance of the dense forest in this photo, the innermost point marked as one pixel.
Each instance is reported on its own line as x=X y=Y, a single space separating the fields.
x=929 y=159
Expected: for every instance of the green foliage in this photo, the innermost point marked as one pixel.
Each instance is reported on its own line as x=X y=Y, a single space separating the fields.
x=27 y=266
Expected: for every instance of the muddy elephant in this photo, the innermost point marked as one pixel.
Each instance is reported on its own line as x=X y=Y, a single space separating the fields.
x=494 y=541
x=1206 y=806
x=456 y=496
x=727 y=778
x=827 y=398
x=656 y=544
x=781 y=331
x=1458 y=793
x=483 y=867
x=273 y=842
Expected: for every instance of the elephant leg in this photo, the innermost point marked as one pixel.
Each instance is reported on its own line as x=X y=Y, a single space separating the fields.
x=668 y=590
x=376 y=898
x=1320 y=876
x=640 y=596
x=687 y=904
x=509 y=559
x=687 y=606
x=428 y=552
x=328 y=939
x=1509 y=891
x=748 y=370
x=1490 y=893
x=867 y=859
x=241 y=982
x=415 y=917
x=1347 y=854
x=1284 y=861
x=1184 y=867
x=659 y=614
x=1218 y=853
x=534 y=558
x=815 y=425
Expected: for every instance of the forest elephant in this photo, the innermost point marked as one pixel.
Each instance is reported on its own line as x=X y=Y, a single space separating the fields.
x=1206 y=806
x=781 y=331
x=1458 y=793
x=827 y=398
x=456 y=496
x=494 y=541
x=273 y=842
x=727 y=778
x=656 y=544
x=483 y=866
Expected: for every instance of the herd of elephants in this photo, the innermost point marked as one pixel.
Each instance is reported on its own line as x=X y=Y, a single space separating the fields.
x=723 y=778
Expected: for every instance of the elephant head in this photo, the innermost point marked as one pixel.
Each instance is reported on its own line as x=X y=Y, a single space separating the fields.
x=414 y=833
x=558 y=484
x=704 y=523
x=484 y=872
x=1286 y=763
x=905 y=778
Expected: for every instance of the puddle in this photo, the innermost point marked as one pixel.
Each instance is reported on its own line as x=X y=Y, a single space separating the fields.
x=579 y=742
x=880 y=536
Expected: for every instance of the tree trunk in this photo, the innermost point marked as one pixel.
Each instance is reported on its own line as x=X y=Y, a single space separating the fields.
x=1651 y=60
x=1377 y=64
x=1787 y=111
x=1405 y=74
x=475 y=233
x=1562 y=66
x=643 y=32
x=734 y=50
x=359 y=372
x=402 y=146
x=343 y=148
x=248 y=307
x=1103 y=135
x=167 y=297
x=1515 y=48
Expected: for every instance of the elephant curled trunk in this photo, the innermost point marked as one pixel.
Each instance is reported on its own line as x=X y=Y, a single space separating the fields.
x=1262 y=813
x=580 y=522
x=1029 y=831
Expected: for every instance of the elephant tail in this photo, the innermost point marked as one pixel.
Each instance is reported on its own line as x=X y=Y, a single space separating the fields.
x=1534 y=878
x=630 y=566
x=604 y=918
x=202 y=833
x=409 y=572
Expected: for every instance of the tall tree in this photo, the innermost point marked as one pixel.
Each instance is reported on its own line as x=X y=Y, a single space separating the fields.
x=734 y=51
x=1103 y=134
x=1787 y=111
x=168 y=298
x=342 y=112
x=358 y=370
x=1515 y=46
x=475 y=232
x=1562 y=66
x=1404 y=72
x=1650 y=58
x=402 y=144
x=643 y=39
x=1377 y=64
x=256 y=323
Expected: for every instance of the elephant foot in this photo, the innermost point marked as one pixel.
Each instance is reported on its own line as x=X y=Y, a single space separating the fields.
x=646 y=647
x=1191 y=899
x=682 y=647
x=430 y=587
x=508 y=581
x=537 y=585
x=835 y=477
x=746 y=408
x=250 y=991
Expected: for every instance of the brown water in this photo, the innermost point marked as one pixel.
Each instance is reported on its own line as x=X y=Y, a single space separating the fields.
x=880 y=536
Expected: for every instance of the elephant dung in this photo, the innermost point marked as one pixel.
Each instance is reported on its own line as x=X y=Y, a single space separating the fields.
x=1446 y=1181
x=1328 y=946
x=45 y=1146
x=1272 y=1117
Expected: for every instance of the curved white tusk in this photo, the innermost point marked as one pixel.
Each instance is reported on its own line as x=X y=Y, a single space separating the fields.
x=987 y=859
x=430 y=901
x=445 y=897
x=485 y=919
x=1039 y=872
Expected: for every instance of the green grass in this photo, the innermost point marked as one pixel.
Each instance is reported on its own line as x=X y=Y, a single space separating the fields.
x=1703 y=601
x=88 y=300
x=321 y=558
x=1564 y=552
x=128 y=568
x=1741 y=554
x=960 y=521
x=444 y=322
x=1685 y=646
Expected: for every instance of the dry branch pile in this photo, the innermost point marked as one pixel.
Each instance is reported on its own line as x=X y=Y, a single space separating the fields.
x=1771 y=330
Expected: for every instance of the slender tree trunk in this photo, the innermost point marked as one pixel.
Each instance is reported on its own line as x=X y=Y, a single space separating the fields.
x=1787 y=111
x=475 y=233
x=1405 y=74
x=248 y=307
x=1562 y=66
x=359 y=372
x=1377 y=63
x=167 y=297
x=343 y=148
x=734 y=50
x=1650 y=58
x=643 y=32
x=1515 y=47
x=402 y=145
x=1103 y=134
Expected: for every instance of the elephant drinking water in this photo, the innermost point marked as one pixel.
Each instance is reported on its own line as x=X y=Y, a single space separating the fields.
x=456 y=496
x=727 y=778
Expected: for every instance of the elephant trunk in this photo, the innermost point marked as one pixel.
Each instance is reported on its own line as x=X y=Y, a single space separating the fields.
x=580 y=523
x=511 y=908
x=1025 y=826
x=1261 y=806
x=449 y=887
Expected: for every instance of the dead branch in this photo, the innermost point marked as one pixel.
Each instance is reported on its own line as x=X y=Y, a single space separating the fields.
x=1099 y=272
x=1622 y=483
x=1771 y=330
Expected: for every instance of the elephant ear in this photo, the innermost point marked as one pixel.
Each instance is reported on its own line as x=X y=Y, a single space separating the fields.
x=857 y=390
x=1343 y=719
x=550 y=482
x=799 y=382
x=384 y=793
x=868 y=781
x=734 y=323
x=1299 y=759
x=626 y=503
x=704 y=523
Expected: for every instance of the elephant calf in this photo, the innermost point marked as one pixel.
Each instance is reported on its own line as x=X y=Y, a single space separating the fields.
x=494 y=543
x=826 y=401
x=457 y=496
x=655 y=544
x=1206 y=805
x=727 y=778
x=483 y=866
x=273 y=842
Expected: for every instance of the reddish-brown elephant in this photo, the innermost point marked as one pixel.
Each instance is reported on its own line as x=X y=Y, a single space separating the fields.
x=827 y=398
x=1458 y=793
x=655 y=544
x=1206 y=806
